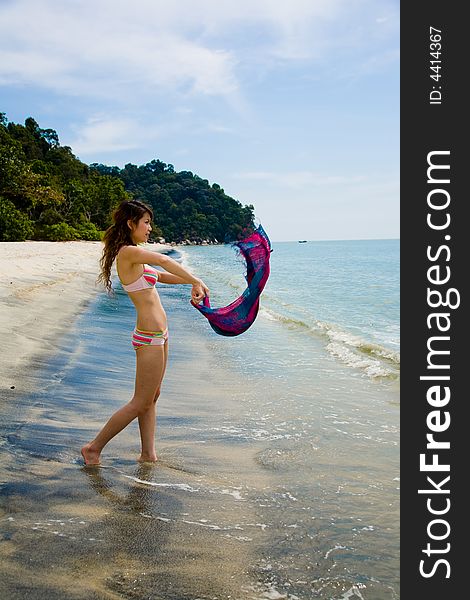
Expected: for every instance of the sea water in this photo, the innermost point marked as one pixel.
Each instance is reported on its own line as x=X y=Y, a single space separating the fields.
x=278 y=473
x=319 y=404
x=344 y=293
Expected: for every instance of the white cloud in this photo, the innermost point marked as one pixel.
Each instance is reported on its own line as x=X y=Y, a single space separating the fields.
x=108 y=54
x=176 y=79
x=104 y=134
x=120 y=50
x=299 y=179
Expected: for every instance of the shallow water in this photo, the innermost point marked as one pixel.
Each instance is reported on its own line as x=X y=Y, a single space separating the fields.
x=272 y=483
x=343 y=295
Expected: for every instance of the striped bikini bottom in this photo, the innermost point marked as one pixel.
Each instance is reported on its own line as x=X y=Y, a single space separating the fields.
x=148 y=338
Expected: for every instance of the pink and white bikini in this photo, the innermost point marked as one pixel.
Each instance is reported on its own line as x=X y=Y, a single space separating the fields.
x=147 y=280
x=140 y=337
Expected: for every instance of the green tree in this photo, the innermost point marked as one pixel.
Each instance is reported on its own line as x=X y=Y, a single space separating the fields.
x=63 y=198
x=14 y=225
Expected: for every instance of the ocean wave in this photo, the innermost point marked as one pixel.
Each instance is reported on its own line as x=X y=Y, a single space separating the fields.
x=183 y=256
x=374 y=360
x=372 y=368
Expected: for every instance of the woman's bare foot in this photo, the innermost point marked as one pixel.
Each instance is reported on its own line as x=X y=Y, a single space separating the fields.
x=148 y=458
x=90 y=456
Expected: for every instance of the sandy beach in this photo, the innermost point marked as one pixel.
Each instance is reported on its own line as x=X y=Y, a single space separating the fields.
x=43 y=287
x=277 y=477
x=115 y=525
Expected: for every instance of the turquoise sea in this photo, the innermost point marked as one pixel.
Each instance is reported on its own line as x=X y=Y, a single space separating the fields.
x=343 y=293
x=279 y=449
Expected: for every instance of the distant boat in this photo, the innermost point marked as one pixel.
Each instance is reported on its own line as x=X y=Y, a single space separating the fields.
x=302 y=241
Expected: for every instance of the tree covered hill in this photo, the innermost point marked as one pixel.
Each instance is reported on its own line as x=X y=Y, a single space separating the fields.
x=47 y=193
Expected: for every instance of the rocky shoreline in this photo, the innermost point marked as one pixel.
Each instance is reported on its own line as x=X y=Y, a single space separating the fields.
x=187 y=242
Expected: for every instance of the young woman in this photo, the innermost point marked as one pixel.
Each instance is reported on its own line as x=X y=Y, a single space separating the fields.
x=131 y=227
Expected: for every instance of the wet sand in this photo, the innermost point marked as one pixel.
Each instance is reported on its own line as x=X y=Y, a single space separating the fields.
x=180 y=529
x=125 y=530
x=262 y=491
x=43 y=287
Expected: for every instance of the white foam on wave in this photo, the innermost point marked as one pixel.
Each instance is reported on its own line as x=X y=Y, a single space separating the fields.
x=253 y=433
x=336 y=547
x=345 y=338
x=353 y=592
x=370 y=366
x=266 y=591
x=185 y=261
x=235 y=493
x=205 y=524
x=187 y=488
x=63 y=528
x=267 y=314
x=179 y=486
x=373 y=359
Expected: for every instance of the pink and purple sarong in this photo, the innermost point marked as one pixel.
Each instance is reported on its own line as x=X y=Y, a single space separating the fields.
x=238 y=316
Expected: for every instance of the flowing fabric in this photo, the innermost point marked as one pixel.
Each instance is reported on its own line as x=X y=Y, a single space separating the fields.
x=238 y=316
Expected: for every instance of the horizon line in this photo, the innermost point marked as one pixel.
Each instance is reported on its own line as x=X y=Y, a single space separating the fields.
x=341 y=240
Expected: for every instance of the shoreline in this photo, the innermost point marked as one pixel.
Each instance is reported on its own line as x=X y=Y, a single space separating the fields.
x=289 y=489
x=44 y=286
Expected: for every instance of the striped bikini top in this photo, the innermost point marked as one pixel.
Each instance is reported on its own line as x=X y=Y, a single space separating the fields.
x=147 y=280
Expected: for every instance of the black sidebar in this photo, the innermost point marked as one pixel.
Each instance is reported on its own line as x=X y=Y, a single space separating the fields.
x=435 y=436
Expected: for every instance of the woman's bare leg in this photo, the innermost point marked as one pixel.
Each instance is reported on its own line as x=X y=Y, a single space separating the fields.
x=147 y=426
x=147 y=422
x=149 y=373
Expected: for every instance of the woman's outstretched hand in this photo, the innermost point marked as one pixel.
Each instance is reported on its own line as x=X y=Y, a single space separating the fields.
x=199 y=292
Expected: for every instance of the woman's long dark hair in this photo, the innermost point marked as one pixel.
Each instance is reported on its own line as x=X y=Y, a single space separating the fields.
x=119 y=235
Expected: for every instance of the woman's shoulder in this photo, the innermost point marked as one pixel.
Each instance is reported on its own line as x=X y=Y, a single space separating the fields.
x=134 y=255
x=126 y=252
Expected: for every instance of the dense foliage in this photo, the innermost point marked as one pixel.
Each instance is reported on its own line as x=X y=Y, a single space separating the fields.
x=47 y=193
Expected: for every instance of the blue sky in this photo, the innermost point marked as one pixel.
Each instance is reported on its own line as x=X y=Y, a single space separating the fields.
x=290 y=106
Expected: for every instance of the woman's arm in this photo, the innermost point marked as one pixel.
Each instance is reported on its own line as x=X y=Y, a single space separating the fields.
x=164 y=277
x=198 y=291
x=137 y=255
x=176 y=273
